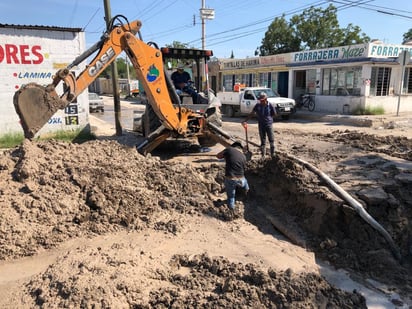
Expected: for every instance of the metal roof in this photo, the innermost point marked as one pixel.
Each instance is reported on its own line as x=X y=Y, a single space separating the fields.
x=38 y=27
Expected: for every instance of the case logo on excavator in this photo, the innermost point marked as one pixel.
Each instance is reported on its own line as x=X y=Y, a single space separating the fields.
x=100 y=63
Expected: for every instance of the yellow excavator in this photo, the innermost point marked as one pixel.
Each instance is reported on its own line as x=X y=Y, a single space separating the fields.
x=36 y=104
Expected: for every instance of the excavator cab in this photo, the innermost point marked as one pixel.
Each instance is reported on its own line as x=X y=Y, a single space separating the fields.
x=206 y=103
x=197 y=89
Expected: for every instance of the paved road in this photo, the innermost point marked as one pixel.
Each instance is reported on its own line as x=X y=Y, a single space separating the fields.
x=401 y=125
x=128 y=108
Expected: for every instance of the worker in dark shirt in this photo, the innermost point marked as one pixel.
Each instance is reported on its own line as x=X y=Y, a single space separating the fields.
x=182 y=80
x=264 y=112
x=234 y=171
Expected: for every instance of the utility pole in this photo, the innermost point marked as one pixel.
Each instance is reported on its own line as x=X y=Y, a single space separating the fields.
x=205 y=14
x=403 y=59
x=128 y=75
x=203 y=24
x=113 y=67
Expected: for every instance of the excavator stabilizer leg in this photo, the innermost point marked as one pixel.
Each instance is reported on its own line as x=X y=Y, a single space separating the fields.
x=35 y=105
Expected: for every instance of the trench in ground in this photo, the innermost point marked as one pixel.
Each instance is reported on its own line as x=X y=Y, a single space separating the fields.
x=285 y=197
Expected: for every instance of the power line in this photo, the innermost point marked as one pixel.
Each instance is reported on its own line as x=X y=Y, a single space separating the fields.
x=73 y=12
x=375 y=8
x=90 y=19
x=265 y=20
x=152 y=5
x=161 y=9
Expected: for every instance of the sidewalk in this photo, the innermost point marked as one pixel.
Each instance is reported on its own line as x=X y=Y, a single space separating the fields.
x=387 y=121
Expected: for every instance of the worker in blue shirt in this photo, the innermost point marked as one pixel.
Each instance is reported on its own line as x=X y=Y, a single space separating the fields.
x=264 y=112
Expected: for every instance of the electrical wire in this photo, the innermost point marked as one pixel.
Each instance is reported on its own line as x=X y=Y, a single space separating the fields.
x=253 y=31
x=90 y=19
x=73 y=12
x=375 y=8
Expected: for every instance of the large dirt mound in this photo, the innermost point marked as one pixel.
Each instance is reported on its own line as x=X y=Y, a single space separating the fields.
x=53 y=191
x=188 y=282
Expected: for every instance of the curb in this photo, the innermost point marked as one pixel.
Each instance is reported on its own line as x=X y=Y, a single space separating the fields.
x=386 y=121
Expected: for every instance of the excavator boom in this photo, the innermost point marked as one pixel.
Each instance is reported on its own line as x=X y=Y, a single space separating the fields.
x=36 y=104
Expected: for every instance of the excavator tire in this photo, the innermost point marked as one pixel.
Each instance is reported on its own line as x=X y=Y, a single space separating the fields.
x=150 y=121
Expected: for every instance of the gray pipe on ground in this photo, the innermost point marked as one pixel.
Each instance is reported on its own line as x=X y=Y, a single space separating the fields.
x=352 y=202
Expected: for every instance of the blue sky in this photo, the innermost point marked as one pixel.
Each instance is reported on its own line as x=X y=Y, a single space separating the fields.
x=238 y=26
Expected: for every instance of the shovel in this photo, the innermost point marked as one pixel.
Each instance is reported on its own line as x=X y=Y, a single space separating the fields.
x=248 y=153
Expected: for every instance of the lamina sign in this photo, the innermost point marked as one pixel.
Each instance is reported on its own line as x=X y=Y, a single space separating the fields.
x=20 y=54
x=37 y=75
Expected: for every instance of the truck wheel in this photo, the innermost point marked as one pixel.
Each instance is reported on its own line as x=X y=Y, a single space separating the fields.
x=150 y=121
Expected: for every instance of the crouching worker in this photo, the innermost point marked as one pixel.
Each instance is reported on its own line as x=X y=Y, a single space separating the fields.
x=234 y=171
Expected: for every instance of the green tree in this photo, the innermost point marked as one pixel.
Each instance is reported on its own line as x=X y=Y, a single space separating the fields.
x=121 y=69
x=314 y=28
x=177 y=44
x=232 y=55
x=279 y=38
x=407 y=36
x=318 y=28
x=352 y=35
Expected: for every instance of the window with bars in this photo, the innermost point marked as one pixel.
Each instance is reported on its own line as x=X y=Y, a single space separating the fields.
x=380 y=79
x=228 y=82
x=407 y=81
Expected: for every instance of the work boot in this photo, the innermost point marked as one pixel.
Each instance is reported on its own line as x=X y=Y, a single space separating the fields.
x=272 y=152
x=231 y=214
x=262 y=151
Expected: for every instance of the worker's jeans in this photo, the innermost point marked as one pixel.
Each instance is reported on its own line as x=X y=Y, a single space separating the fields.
x=231 y=185
x=266 y=130
x=193 y=94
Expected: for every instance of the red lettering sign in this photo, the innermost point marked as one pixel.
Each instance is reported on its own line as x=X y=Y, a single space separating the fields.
x=20 y=54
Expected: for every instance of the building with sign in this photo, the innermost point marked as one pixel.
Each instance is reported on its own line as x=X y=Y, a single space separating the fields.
x=341 y=79
x=34 y=54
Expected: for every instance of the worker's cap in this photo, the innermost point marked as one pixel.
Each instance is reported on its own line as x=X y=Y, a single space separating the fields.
x=237 y=144
x=180 y=66
x=262 y=96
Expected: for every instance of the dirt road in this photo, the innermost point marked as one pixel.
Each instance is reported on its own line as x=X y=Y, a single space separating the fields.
x=98 y=225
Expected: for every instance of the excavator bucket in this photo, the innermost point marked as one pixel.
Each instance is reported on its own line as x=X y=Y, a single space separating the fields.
x=35 y=105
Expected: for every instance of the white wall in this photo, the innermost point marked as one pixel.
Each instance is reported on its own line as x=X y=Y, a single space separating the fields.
x=35 y=55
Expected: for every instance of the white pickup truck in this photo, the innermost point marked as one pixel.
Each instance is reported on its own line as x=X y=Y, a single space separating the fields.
x=242 y=103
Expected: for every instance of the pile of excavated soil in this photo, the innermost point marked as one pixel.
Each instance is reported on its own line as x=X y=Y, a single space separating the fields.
x=125 y=217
